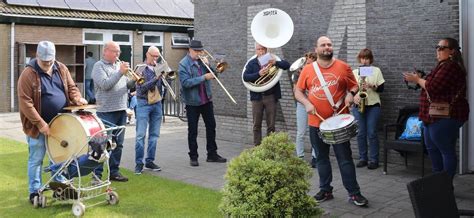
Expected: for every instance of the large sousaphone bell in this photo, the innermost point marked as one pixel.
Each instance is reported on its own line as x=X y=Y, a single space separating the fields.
x=271 y=28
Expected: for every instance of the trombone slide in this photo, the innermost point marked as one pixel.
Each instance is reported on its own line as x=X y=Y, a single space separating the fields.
x=218 y=81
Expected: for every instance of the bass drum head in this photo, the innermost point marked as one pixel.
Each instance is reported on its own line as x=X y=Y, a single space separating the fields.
x=336 y=122
x=68 y=135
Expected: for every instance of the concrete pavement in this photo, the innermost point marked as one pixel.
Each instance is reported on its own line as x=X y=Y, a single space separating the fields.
x=387 y=194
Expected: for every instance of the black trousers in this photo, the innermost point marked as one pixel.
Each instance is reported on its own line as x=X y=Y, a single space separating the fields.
x=193 y=113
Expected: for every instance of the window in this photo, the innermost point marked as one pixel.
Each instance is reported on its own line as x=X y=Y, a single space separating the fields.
x=99 y=36
x=93 y=37
x=179 y=40
x=121 y=37
x=152 y=39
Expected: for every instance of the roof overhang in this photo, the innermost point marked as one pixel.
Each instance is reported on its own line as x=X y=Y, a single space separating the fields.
x=89 y=19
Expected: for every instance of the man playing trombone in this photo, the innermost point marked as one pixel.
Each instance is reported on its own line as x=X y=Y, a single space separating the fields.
x=196 y=93
x=148 y=112
x=256 y=72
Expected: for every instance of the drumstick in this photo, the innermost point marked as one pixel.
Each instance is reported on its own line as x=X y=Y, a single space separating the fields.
x=342 y=109
x=63 y=143
x=316 y=113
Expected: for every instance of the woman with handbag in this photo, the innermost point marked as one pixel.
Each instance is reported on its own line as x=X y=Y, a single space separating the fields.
x=443 y=105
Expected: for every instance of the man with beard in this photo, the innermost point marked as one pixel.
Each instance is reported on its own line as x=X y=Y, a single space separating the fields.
x=330 y=86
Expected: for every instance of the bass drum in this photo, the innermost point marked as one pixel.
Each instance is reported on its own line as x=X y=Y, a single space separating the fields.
x=70 y=133
x=266 y=85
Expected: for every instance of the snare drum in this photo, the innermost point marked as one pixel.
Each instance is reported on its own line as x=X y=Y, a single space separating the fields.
x=69 y=134
x=338 y=129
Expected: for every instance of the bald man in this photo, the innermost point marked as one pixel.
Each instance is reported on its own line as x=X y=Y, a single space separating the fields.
x=148 y=113
x=112 y=86
x=327 y=96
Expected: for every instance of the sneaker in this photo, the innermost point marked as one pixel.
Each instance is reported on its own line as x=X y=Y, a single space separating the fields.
x=216 y=158
x=32 y=196
x=358 y=200
x=362 y=163
x=119 y=178
x=323 y=196
x=194 y=163
x=372 y=166
x=152 y=166
x=314 y=163
x=138 y=169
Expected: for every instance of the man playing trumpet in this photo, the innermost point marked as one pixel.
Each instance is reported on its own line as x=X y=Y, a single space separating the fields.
x=148 y=112
x=267 y=100
x=112 y=86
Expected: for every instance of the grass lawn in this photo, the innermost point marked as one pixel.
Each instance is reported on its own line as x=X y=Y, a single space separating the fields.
x=148 y=196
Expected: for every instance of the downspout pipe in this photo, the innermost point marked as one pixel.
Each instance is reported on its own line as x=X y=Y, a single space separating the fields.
x=12 y=68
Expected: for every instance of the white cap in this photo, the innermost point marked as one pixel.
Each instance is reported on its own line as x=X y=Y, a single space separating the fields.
x=46 y=51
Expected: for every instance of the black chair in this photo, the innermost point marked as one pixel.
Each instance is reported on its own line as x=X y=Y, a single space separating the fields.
x=432 y=196
x=403 y=146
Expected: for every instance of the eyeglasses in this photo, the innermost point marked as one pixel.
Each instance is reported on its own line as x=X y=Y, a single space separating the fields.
x=441 y=47
x=154 y=56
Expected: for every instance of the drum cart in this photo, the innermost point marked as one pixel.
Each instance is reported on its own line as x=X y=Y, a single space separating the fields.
x=77 y=188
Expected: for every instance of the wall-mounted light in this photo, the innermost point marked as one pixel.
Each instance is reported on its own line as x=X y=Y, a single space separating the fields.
x=139 y=32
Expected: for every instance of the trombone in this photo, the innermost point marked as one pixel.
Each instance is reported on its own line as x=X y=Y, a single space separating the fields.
x=131 y=74
x=166 y=74
x=221 y=66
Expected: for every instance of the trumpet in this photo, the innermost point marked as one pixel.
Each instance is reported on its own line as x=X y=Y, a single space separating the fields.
x=221 y=65
x=132 y=75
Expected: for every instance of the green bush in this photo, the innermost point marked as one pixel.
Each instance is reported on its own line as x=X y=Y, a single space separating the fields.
x=268 y=180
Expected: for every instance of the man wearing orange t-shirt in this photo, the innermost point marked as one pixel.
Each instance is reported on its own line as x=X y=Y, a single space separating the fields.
x=342 y=86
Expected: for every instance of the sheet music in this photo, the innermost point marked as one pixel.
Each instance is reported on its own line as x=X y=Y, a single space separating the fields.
x=365 y=71
x=264 y=59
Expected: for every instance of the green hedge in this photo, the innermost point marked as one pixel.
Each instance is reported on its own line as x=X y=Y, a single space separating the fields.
x=269 y=180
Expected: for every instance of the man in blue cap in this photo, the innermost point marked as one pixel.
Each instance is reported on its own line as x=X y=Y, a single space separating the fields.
x=45 y=87
x=196 y=94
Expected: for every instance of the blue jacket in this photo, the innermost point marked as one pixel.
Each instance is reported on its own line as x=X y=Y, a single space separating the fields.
x=190 y=81
x=251 y=75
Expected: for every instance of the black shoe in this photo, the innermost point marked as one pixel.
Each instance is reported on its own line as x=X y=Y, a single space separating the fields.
x=323 y=196
x=313 y=162
x=32 y=196
x=358 y=200
x=362 y=163
x=216 y=158
x=119 y=178
x=194 y=162
x=138 y=169
x=152 y=166
x=372 y=166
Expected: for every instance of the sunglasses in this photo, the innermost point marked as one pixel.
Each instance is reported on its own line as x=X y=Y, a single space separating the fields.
x=441 y=47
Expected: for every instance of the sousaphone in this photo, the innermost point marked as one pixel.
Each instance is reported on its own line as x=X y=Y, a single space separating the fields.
x=271 y=28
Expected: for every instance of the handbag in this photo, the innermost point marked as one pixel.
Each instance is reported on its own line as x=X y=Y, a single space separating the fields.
x=154 y=95
x=441 y=109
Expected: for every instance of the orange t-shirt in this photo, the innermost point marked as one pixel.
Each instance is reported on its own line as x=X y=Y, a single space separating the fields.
x=339 y=79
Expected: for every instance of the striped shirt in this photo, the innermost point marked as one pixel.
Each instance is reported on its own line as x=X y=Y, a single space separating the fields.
x=111 y=87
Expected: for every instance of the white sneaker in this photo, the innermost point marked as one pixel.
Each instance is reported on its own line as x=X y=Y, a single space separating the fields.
x=129 y=112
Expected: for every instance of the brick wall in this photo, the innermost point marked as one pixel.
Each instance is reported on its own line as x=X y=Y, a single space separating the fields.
x=402 y=35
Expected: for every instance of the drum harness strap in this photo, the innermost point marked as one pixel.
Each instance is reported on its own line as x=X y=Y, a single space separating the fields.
x=326 y=91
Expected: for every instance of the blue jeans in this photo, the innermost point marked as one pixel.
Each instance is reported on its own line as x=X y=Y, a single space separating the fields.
x=147 y=114
x=36 y=152
x=193 y=113
x=89 y=89
x=343 y=154
x=440 y=140
x=118 y=118
x=301 y=127
x=368 y=129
